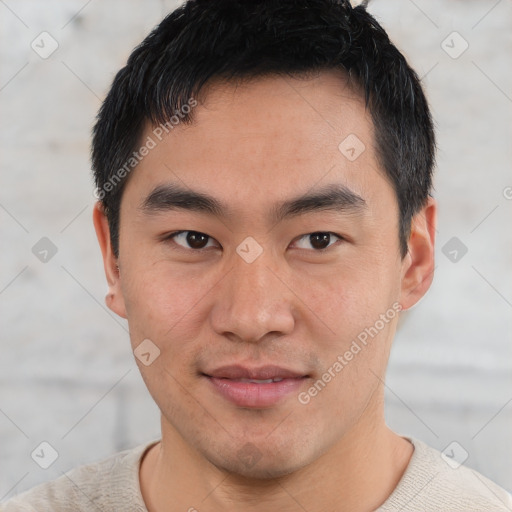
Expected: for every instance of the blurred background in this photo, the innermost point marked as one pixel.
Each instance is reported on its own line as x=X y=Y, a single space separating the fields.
x=67 y=375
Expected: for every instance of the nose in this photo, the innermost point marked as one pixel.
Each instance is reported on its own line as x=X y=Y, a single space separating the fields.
x=253 y=302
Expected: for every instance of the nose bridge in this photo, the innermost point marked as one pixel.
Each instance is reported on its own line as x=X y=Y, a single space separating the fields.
x=252 y=301
x=252 y=277
x=253 y=288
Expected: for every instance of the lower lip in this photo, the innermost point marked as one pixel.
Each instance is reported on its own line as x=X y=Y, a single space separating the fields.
x=249 y=394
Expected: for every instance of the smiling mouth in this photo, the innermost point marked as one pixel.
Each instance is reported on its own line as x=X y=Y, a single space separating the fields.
x=255 y=388
x=260 y=381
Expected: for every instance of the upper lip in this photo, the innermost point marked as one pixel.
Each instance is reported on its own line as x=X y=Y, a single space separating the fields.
x=261 y=373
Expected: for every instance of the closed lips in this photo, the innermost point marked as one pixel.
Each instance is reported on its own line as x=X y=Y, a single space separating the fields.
x=259 y=381
x=261 y=375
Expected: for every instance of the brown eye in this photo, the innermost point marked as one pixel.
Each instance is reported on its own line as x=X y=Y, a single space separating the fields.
x=191 y=240
x=197 y=240
x=319 y=240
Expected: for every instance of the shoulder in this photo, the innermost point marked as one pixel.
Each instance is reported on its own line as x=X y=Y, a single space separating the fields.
x=109 y=485
x=433 y=482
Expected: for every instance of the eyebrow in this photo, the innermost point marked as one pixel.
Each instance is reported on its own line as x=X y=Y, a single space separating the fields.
x=334 y=197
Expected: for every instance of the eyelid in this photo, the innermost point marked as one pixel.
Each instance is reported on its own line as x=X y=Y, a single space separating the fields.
x=171 y=236
x=340 y=237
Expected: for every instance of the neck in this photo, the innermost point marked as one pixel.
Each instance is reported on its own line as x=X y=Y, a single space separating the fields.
x=357 y=474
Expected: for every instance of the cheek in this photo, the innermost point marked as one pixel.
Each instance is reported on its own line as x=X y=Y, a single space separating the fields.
x=165 y=307
x=163 y=304
x=352 y=295
x=359 y=309
x=353 y=360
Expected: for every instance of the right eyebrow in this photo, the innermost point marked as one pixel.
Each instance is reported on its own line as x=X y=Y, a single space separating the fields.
x=172 y=197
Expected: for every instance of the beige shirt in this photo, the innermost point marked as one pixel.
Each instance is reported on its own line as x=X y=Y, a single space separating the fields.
x=112 y=485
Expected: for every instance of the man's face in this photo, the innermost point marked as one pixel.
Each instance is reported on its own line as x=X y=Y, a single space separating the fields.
x=219 y=316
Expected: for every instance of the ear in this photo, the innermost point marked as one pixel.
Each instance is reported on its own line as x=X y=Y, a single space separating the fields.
x=418 y=264
x=114 y=299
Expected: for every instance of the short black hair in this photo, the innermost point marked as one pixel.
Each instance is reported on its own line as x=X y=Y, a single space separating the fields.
x=244 y=39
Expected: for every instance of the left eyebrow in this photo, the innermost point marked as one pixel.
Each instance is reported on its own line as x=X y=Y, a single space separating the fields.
x=336 y=197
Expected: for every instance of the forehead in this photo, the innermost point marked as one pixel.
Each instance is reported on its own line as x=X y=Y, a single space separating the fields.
x=282 y=112
x=266 y=139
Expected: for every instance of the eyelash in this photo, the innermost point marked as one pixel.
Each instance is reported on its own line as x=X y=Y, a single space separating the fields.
x=171 y=237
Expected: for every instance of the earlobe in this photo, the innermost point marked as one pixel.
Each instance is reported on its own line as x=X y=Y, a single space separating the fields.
x=114 y=298
x=418 y=264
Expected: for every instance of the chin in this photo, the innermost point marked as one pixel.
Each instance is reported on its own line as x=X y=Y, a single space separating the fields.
x=257 y=461
x=263 y=470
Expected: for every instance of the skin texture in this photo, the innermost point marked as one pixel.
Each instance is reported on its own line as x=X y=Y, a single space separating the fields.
x=253 y=146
